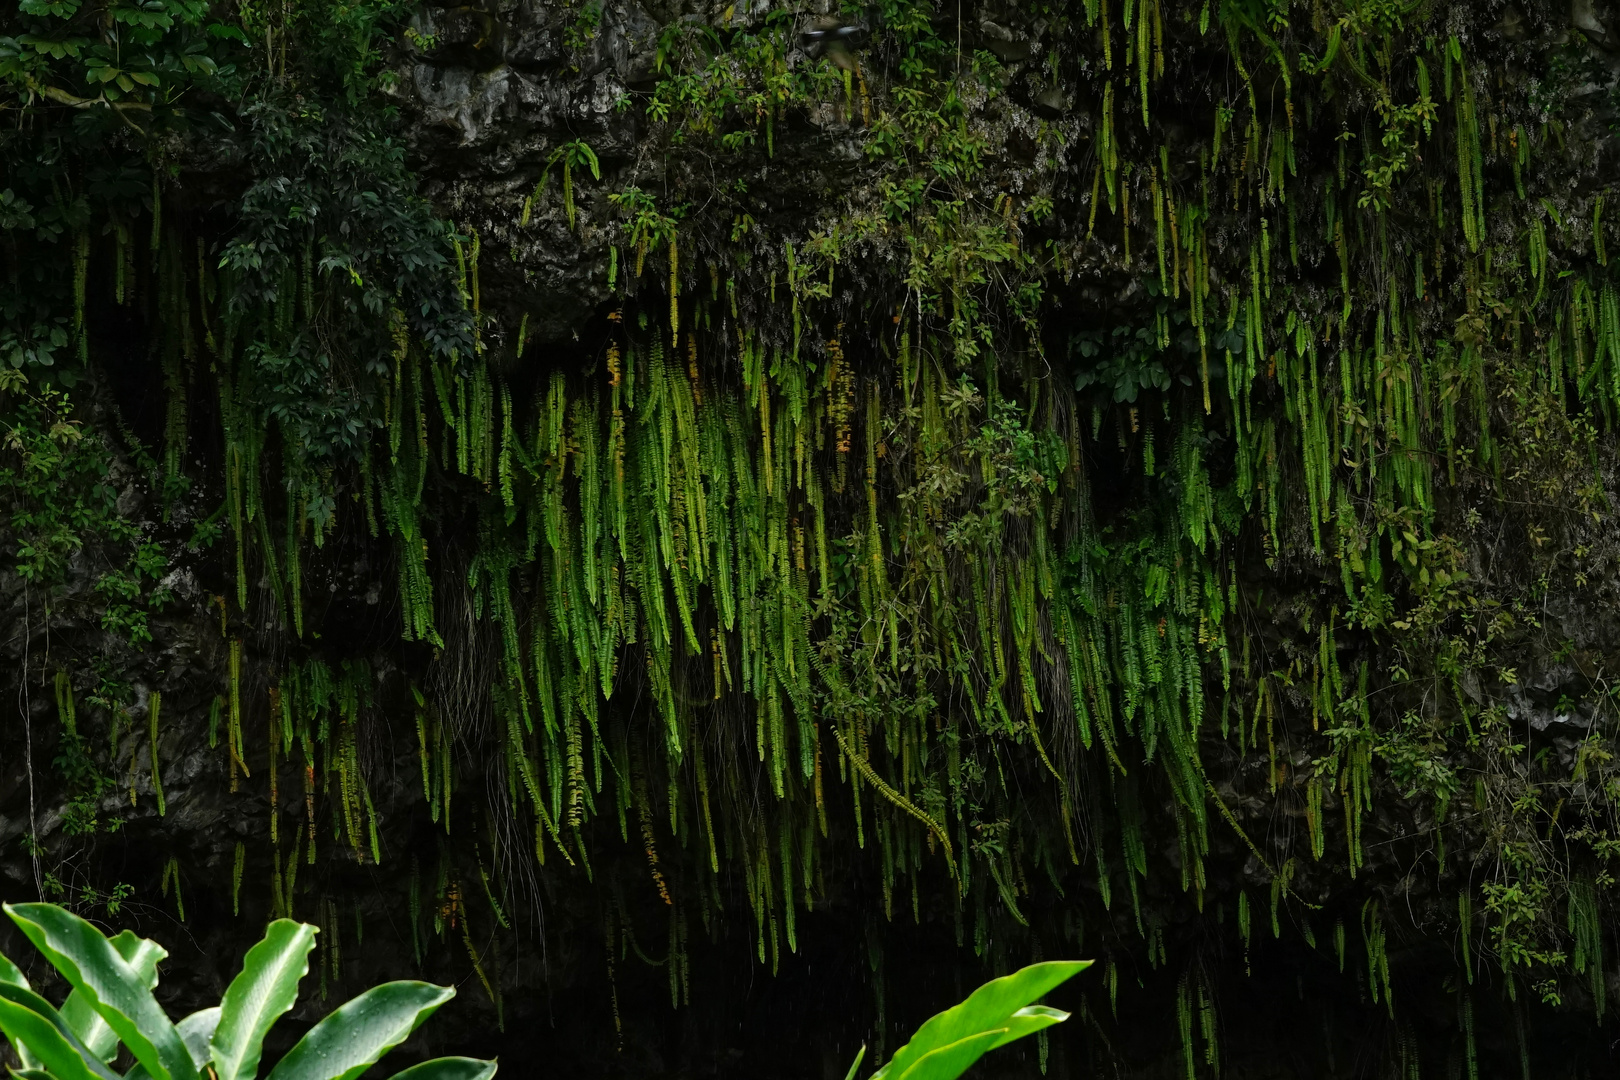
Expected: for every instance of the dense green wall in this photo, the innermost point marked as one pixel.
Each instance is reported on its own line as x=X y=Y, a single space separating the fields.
x=718 y=529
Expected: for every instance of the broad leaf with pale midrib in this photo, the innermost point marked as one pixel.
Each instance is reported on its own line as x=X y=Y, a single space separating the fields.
x=266 y=987
x=95 y=968
x=357 y=1033
x=994 y=1015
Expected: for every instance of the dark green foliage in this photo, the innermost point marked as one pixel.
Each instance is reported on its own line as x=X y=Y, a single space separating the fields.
x=1061 y=532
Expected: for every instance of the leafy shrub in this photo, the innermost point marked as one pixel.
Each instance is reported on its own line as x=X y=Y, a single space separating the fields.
x=111 y=1004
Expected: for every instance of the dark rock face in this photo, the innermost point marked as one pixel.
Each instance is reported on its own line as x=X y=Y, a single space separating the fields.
x=1281 y=963
x=498 y=92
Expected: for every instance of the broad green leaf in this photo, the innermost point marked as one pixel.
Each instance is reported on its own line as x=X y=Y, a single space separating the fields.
x=93 y=966
x=265 y=988
x=26 y=1056
x=25 y=1027
x=1029 y=1020
x=142 y=955
x=196 y=1031
x=361 y=1030
x=82 y=1017
x=31 y=1074
x=449 y=1068
x=26 y=999
x=990 y=1006
x=11 y=974
x=953 y=1059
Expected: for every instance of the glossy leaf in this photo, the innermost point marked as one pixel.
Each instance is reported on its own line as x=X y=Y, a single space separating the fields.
x=449 y=1068
x=12 y=975
x=265 y=988
x=44 y=1040
x=25 y=998
x=1029 y=1020
x=82 y=1017
x=93 y=966
x=990 y=1007
x=196 y=1031
x=142 y=955
x=357 y=1033
x=953 y=1059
